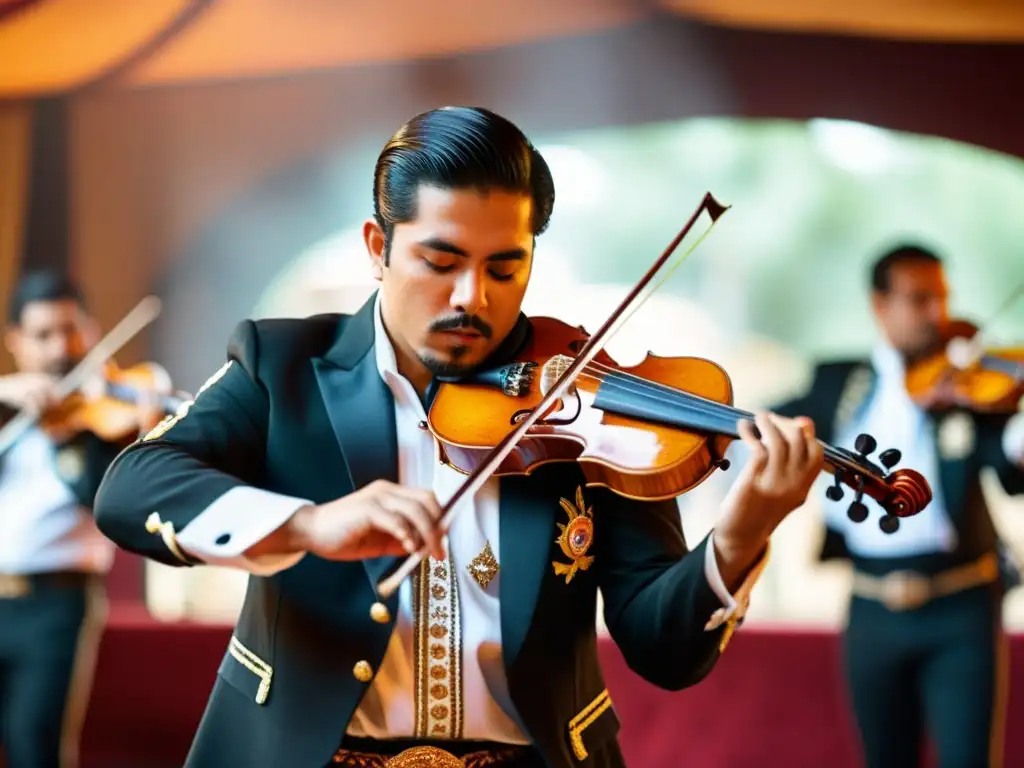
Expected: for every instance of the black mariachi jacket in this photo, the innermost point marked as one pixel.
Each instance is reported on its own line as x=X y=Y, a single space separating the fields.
x=80 y=462
x=302 y=410
x=836 y=392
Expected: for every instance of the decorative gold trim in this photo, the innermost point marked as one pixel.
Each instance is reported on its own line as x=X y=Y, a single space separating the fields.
x=425 y=757
x=14 y=585
x=576 y=537
x=164 y=426
x=437 y=664
x=254 y=664
x=730 y=627
x=484 y=567
x=584 y=720
x=169 y=536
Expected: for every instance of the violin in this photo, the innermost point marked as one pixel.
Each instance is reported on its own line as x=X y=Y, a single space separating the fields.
x=108 y=405
x=967 y=375
x=651 y=431
x=97 y=395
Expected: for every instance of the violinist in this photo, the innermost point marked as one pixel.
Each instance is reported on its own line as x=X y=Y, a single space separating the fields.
x=925 y=651
x=307 y=460
x=52 y=557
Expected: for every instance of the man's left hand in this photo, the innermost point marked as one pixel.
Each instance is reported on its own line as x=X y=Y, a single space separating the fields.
x=783 y=465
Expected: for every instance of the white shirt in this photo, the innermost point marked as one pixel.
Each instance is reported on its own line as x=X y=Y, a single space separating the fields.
x=42 y=526
x=895 y=421
x=391 y=708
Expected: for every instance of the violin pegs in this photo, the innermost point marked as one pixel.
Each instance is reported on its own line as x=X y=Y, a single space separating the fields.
x=835 y=491
x=889 y=458
x=865 y=444
x=889 y=524
x=858 y=512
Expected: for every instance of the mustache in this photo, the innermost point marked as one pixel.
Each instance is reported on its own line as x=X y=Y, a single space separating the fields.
x=61 y=367
x=458 y=322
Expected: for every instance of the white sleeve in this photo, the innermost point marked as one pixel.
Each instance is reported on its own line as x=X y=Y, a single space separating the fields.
x=237 y=520
x=733 y=606
x=1013 y=439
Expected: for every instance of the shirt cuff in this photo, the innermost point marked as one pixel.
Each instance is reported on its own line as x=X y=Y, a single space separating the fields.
x=734 y=606
x=1013 y=439
x=242 y=517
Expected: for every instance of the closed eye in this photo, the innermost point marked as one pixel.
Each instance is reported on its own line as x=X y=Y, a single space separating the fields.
x=440 y=268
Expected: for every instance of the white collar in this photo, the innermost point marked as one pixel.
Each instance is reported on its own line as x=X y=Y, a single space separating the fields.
x=887 y=361
x=387 y=362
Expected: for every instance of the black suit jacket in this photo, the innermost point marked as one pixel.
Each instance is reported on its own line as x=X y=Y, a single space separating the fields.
x=839 y=388
x=303 y=411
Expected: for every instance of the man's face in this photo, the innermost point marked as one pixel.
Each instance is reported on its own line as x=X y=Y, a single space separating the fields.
x=52 y=337
x=455 y=278
x=913 y=313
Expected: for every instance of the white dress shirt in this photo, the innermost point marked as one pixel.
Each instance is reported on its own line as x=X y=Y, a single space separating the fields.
x=42 y=527
x=442 y=675
x=895 y=421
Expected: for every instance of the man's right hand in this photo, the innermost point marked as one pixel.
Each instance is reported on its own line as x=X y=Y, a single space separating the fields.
x=378 y=520
x=31 y=391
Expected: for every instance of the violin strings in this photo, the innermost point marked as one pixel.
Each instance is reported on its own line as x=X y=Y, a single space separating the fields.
x=655 y=286
x=663 y=393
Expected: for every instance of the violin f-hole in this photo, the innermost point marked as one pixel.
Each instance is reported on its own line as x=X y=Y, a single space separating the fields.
x=521 y=414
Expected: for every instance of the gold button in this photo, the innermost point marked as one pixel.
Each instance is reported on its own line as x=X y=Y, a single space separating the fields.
x=363 y=671
x=380 y=613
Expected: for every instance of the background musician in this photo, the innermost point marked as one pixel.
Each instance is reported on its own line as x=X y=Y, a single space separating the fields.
x=52 y=557
x=928 y=652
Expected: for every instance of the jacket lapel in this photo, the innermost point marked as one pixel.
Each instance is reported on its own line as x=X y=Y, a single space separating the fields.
x=361 y=410
x=953 y=452
x=526 y=526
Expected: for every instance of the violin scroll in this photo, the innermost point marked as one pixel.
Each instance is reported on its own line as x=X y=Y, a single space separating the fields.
x=902 y=493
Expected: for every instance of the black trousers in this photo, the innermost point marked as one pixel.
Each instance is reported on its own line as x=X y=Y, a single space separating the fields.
x=48 y=644
x=937 y=672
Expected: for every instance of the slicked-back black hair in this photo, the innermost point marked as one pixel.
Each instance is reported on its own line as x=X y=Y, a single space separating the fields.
x=458 y=148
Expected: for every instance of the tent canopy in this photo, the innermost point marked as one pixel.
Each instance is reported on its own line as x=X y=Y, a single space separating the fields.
x=53 y=46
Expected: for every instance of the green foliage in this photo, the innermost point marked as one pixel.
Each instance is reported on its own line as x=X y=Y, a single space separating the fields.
x=812 y=206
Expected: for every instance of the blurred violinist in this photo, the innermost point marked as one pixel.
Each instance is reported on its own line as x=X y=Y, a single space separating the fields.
x=52 y=557
x=307 y=460
x=925 y=651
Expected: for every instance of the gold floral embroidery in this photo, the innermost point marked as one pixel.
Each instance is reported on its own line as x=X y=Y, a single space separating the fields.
x=575 y=537
x=437 y=662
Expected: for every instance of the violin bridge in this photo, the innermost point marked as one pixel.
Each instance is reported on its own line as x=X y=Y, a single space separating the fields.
x=552 y=372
